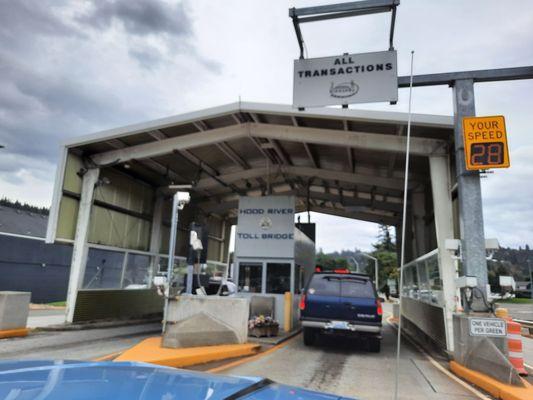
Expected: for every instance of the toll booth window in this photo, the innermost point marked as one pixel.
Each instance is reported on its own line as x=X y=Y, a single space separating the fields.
x=278 y=278
x=137 y=274
x=298 y=278
x=162 y=265
x=250 y=277
x=407 y=281
x=435 y=281
x=414 y=283
x=356 y=288
x=423 y=283
x=103 y=270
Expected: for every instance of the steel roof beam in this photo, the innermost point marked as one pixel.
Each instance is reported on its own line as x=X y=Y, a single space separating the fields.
x=232 y=155
x=391 y=202
x=482 y=75
x=151 y=164
x=389 y=210
x=170 y=145
x=370 y=180
x=362 y=216
x=343 y=7
x=358 y=140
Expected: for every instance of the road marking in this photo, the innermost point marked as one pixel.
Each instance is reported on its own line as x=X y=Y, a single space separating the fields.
x=252 y=358
x=440 y=367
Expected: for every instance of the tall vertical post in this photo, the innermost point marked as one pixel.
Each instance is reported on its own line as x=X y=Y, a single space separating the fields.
x=469 y=190
x=79 y=250
x=155 y=231
x=171 y=253
x=419 y=223
x=442 y=205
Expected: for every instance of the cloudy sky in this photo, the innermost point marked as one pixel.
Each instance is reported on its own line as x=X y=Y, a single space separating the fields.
x=74 y=67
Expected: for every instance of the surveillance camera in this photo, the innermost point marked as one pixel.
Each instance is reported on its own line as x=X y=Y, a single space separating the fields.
x=183 y=198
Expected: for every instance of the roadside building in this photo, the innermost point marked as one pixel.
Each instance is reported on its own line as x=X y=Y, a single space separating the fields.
x=26 y=262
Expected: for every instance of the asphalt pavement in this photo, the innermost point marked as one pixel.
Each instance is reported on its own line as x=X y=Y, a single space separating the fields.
x=519 y=311
x=344 y=367
x=85 y=344
x=39 y=318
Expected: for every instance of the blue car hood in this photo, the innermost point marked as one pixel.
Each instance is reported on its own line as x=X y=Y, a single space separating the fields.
x=24 y=380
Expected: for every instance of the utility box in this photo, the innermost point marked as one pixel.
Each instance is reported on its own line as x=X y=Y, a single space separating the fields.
x=14 y=309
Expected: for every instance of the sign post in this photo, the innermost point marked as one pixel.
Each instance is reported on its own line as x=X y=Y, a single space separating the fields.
x=469 y=191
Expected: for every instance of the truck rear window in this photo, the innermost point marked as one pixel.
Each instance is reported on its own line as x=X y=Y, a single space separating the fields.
x=357 y=288
x=325 y=286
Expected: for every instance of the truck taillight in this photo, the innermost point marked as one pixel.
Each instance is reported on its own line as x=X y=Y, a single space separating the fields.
x=380 y=308
x=302 y=302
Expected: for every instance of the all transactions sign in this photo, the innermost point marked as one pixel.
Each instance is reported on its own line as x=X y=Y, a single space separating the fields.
x=265 y=227
x=347 y=79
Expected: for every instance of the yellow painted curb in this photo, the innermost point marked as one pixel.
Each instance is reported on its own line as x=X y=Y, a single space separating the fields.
x=20 y=332
x=236 y=363
x=491 y=385
x=151 y=351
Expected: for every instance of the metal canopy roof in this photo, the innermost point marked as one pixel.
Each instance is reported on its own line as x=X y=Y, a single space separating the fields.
x=336 y=161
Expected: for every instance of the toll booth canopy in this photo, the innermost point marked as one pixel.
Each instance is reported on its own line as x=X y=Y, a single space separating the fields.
x=110 y=199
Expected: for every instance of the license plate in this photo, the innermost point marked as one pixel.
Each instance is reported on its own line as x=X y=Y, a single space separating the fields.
x=339 y=325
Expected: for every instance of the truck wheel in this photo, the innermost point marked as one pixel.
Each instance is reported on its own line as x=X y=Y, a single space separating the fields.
x=309 y=336
x=374 y=345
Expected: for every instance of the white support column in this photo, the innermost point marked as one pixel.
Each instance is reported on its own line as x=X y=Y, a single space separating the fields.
x=155 y=232
x=442 y=205
x=419 y=224
x=79 y=250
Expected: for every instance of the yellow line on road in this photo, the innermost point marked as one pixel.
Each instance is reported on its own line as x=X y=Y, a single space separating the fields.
x=252 y=358
x=441 y=368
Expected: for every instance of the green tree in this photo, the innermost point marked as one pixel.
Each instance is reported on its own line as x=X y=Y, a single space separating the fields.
x=329 y=262
x=385 y=252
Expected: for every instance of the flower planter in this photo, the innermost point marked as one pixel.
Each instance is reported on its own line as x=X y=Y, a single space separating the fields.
x=261 y=331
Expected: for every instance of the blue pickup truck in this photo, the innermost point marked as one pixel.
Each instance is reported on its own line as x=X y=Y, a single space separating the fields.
x=344 y=303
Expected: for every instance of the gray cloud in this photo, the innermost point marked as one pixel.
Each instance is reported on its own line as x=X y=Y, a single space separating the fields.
x=169 y=22
x=60 y=77
x=140 y=17
x=37 y=110
x=32 y=17
x=148 y=57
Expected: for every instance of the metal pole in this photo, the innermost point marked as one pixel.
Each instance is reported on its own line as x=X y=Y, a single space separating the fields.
x=377 y=276
x=530 y=277
x=469 y=191
x=356 y=264
x=404 y=222
x=171 y=251
x=375 y=267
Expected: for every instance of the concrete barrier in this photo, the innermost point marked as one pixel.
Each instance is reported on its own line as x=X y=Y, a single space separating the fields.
x=14 y=309
x=396 y=310
x=205 y=321
x=487 y=355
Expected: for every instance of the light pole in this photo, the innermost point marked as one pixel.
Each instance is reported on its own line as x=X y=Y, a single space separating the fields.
x=356 y=263
x=530 y=277
x=375 y=267
x=179 y=200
